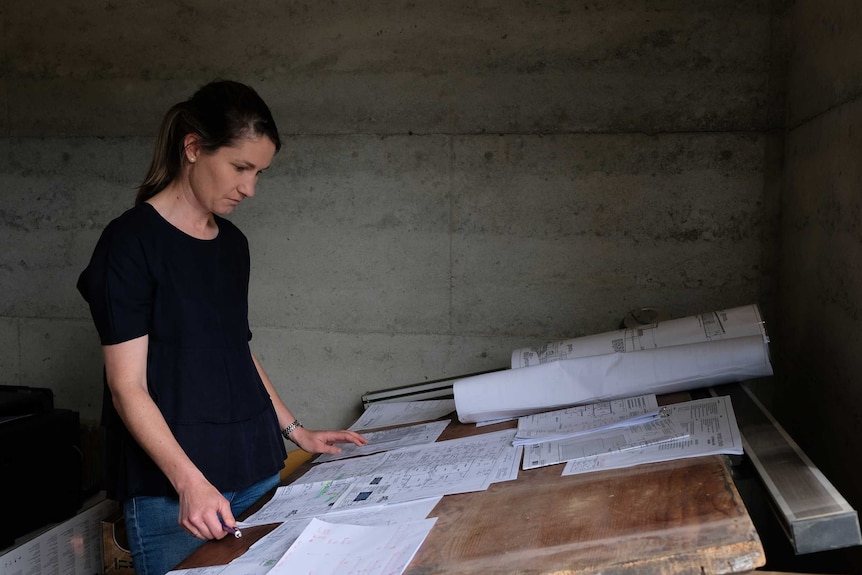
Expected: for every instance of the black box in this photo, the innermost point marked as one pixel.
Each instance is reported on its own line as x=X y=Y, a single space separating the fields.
x=40 y=459
x=17 y=400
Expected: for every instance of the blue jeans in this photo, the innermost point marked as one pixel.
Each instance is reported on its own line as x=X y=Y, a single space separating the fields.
x=156 y=539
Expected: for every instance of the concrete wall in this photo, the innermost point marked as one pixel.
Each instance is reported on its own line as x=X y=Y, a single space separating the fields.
x=458 y=179
x=820 y=334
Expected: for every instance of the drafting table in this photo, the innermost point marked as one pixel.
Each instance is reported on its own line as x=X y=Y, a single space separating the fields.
x=670 y=518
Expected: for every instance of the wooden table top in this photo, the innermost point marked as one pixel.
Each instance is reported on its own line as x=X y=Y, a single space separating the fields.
x=669 y=518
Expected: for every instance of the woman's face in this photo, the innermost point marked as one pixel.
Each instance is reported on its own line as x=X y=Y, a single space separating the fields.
x=222 y=179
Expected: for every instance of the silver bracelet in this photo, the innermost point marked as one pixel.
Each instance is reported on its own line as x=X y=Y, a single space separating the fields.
x=289 y=429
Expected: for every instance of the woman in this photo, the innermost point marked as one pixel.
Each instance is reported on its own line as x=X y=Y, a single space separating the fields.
x=193 y=420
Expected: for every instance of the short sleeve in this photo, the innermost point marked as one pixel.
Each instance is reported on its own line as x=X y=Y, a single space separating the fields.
x=118 y=287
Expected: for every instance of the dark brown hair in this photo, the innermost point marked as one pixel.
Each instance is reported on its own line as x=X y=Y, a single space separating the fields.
x=219 y=114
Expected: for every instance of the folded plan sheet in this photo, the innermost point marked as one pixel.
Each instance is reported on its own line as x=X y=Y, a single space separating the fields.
x=605 y=441
x=584 y=419
x=712 y=430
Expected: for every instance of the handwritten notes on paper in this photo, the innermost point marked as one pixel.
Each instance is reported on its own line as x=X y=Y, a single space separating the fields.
x=335 y=549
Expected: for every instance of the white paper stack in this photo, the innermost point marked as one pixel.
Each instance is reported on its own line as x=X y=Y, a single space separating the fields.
x=712 y=430
x=606 y=441
x=585 y=419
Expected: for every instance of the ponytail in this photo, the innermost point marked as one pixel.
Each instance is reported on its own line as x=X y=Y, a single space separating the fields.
x=167 y=157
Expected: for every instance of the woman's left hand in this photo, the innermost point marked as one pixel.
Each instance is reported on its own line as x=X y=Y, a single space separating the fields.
x=323 y=441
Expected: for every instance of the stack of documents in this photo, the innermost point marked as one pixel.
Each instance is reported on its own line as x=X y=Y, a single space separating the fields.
x=406 y=474
x=687 y=429
x=711 y=430
x=598 y=428
x=620 y=438
x=585 y=419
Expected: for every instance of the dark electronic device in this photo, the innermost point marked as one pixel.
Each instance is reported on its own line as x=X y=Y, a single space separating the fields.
x=40 y=461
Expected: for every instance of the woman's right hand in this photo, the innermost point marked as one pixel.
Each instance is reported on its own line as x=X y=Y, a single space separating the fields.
x=202 y=510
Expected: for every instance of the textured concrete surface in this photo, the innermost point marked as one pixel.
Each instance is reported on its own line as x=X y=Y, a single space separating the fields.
x=323 y=374
x=821 y=332
x=820 y=322
x=458 y=179
x=825 y=67
x=352 y=234
x=391 y=67
x=588 y=219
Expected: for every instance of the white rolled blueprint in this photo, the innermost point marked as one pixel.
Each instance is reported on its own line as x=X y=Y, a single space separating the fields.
x=567 y=382
x=723 y=324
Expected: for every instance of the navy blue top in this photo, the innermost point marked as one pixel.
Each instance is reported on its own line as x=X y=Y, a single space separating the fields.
x=190 y=296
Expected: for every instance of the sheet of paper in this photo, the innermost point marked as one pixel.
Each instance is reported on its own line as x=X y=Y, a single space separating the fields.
x=260 y=558
x=343 y=468
x=385 y=414
x=265 y=553
x=494 y=421
x=333 y=549
x=476 y=454
x=574 y=421
x=724 y=324
x=299 y=500
x=508 y=464
x=560 y=384
x=388 y=439
x=387 y=515
x=442 y=468
x=711 y=426
x=605 y=441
